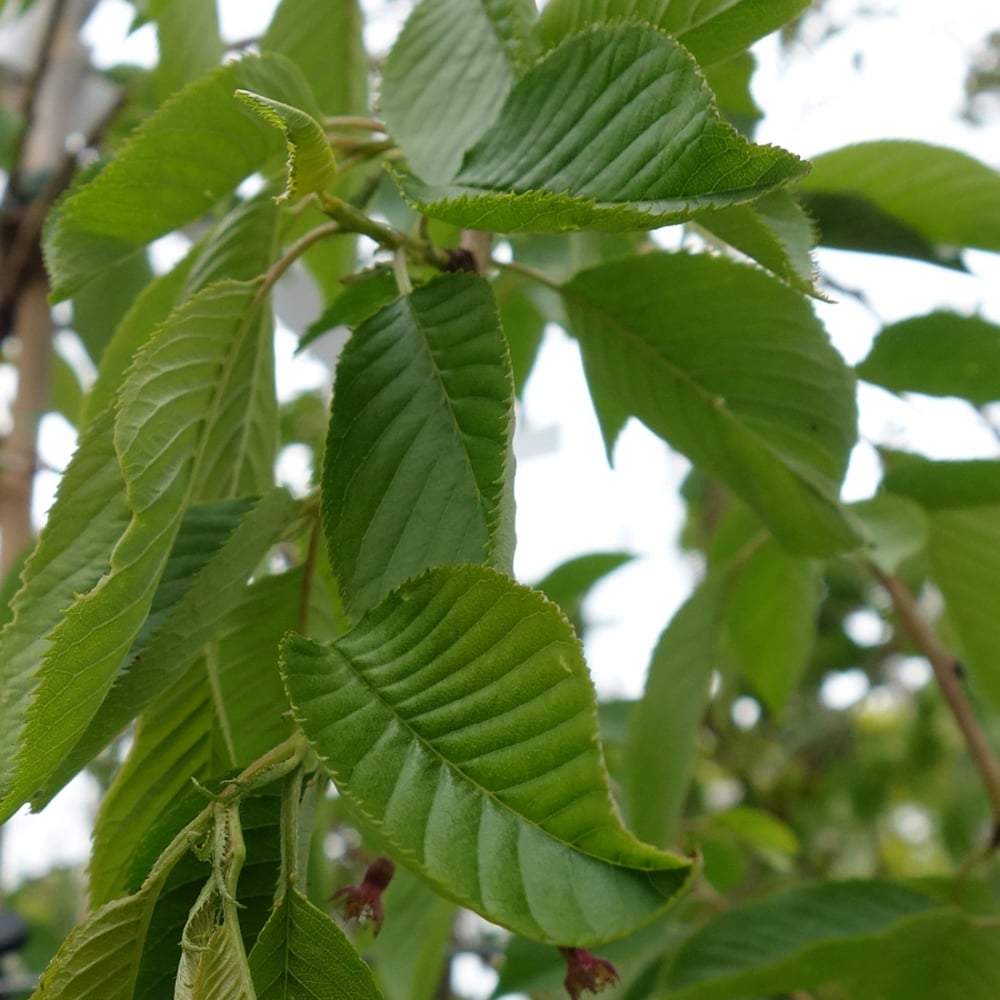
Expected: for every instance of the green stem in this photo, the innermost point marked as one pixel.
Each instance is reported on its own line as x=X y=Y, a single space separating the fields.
x=292 y=254
x=530 y=273
x=291 y=795
x=354 y=121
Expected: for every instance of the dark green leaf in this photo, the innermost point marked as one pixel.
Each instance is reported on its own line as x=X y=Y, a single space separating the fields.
x=324 y=41
x=569 y=583
x=790 y=940
x=742 y=379
x=419 y=441
x=301 y=953
x=462 y=703
x=193 y=151
x=710 y=31
x=910 y=182
x=664 y=730
x=446 y=78
x=359 y=300
x=942 y=485
x=615 y=129
x=941 y=354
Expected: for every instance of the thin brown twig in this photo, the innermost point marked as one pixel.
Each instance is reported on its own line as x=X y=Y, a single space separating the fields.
x=947 y=671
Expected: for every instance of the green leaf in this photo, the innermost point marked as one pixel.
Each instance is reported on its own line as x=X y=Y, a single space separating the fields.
x=569 y=583
x=761 y=830
x=772 y=621
x=523 y=323
x=742 y=380
x=358 y=301
x=663 y=734
x=774 y=231
x=325 y=42
x=419 y=442
x=301 y=953
x=311 y=166
x=940 y=354
x=223 y=713
x=942 y=485
x=100 y=959
x=615 y=129
x=88 y=517
x=187 y=32
x=964 y=550
x=181 y=436
x=909 y=182
x=205 y=597
x=409 y=966
x=462 y=703
x=712 y=31
x=790 y=940
x=897 y=527
x=446 y=78
x=182 y=160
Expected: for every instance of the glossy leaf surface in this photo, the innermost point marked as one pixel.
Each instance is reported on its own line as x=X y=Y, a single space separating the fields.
x=615 y=129
x=462 y=702
x=419 y=441
x=733 y=369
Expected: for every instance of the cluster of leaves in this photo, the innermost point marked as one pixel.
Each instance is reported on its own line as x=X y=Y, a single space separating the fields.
x=371 y=632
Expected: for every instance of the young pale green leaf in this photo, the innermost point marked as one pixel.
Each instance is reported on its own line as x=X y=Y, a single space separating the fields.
x=710 y=31
x=419 y=441
x=909 y=182
x=325 y=42
x=446 y=78
x=181 y=436
x=302 y=953
x=203 y=598
x=461 y=704
x=100 y=959
x=790 y=940
x=615 y=129
x=732 y=368
x=311 y=165
x=940 y=354
x=774 y=231
x=193 y=151
x=88 y=517
x=772 y=621
x=663 y=733
x=897 y=527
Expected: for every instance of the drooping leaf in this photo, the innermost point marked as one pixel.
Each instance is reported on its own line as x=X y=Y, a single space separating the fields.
x=733 y=369
x=940 y=354
x=710 y=31
x=614 y=129
x=182 y=160
x=462 y=702
x=730 y=81
x=88 y=517
x=358 y=301
x=663 y=733
x=909 y=182
x=794 y=939
x=446 y=78
x=523 y=323
x=419 y=440
x=774 y=231
x=311 y=165
x=180 y=436
x=203 y=597
x=772 y=621
x=942 y=485
x=187 y=34
x=325 y=42
x=301 y=953
x=222 y=714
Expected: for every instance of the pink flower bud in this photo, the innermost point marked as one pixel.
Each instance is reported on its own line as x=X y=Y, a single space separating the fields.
x=586 y=972
x=363 y=903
